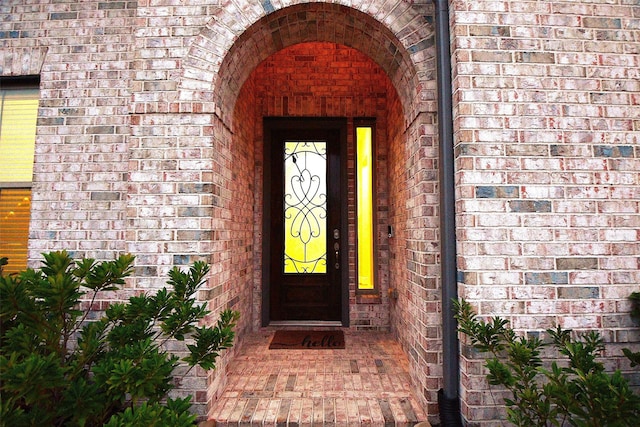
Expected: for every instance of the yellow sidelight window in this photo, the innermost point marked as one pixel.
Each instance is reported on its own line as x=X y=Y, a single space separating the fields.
x=365 y=214
x=18 y=116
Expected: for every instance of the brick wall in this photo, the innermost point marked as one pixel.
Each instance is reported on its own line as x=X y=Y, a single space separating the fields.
x=414 y=265
x=547 y=163
x=82 y=52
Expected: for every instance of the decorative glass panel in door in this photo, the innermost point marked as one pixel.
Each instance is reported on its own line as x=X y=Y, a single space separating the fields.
x=305 y=207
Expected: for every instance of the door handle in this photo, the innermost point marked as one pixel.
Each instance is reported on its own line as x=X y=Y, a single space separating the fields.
x=336 y=248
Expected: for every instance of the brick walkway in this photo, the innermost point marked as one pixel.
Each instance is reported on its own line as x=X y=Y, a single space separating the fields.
x=365 y=384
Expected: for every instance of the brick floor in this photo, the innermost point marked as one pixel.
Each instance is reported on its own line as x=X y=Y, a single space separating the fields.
x=367 y=383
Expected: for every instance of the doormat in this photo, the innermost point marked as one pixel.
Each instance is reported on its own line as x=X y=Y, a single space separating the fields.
x=307 y=340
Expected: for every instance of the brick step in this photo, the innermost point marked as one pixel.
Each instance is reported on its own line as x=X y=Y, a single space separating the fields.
x=367 y=383
x=255 y=411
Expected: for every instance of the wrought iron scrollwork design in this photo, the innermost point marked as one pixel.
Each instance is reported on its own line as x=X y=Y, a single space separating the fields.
x=305 y=207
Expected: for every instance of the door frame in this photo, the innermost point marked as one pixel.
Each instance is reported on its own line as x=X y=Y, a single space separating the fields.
x=271 y=124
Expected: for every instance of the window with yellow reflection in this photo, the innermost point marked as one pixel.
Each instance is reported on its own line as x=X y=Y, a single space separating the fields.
x=15 y=208
x=365 y=208
x=18 y=116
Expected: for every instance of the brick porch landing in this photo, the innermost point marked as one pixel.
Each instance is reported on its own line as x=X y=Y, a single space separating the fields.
x=367 y=383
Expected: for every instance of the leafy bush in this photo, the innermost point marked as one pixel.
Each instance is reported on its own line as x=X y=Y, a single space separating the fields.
x=58 y=368
x=578 y=393
x=634 y=357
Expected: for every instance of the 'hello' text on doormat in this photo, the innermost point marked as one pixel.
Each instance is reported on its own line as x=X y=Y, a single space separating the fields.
x=307 y=340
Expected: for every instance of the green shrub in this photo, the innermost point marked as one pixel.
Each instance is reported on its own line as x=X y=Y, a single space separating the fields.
x=578 y=392
x=58 y=368
x=634 y=357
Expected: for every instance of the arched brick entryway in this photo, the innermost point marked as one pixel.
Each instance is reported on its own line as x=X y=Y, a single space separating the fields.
x=397 y=38
x=226 y=73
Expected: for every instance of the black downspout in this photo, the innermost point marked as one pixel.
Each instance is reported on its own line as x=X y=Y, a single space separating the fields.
x=448 y=396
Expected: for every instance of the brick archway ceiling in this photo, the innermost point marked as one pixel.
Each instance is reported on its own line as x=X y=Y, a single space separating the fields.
x=409 y=62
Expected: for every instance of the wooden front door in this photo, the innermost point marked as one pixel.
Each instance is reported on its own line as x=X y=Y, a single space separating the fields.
x=304 y=231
